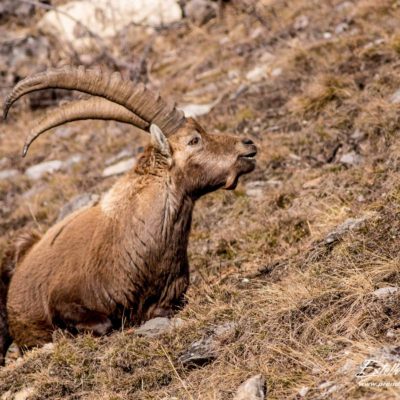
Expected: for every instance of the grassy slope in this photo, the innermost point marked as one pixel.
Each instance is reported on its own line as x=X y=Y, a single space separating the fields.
x=306 y=309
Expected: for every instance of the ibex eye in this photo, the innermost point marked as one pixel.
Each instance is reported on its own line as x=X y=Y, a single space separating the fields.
x=194 y=141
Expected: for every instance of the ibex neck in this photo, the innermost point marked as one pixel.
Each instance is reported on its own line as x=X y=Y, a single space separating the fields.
x=151 y=206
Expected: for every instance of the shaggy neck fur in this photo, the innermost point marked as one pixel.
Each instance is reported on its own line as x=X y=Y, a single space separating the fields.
x=151 y=233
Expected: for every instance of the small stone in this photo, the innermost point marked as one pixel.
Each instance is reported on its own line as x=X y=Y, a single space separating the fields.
x=348 y=367
x=8 y=174
x=80 y=201
x=24 y=393
x=276 y=72
x=196 y=110
x=119 y=168
x=124 y=153
x=351 y=158
x=360 y=198
x=386 y=291
x=301 y=22
x=253 y=388
x=200 y=11
x=224 y=328
x=256 y=188
x=155 y=327
x=267 y=57
x=391 y=333
x=329 y=387
x=342 y=27
x=345 y=6
x=257 y=74
x=395 y=98
x=74 y=159
x=37 y=171
x=199 y=353
x=303 y=391
x=64 y=132
x=327 y=35
x=357 y=134
x=233 y=74
x=349 y=225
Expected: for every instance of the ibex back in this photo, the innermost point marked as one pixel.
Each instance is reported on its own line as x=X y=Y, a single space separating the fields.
x=123 y=260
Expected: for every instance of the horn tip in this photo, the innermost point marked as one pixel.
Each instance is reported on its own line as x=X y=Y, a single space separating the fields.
x=25 y=150
x=6 y=107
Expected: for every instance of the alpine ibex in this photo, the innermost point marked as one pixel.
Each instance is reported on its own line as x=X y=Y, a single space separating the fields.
x=123 y=260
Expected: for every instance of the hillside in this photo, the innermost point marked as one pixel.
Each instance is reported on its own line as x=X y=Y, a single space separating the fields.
x=290 y=272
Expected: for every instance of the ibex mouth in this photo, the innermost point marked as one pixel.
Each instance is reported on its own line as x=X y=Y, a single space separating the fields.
x=249 y=156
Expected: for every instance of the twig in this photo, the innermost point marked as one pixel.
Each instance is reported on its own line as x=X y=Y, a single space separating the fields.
x=34 y=217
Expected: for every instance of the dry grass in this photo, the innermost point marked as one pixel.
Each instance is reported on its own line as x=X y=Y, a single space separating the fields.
x=303 y=311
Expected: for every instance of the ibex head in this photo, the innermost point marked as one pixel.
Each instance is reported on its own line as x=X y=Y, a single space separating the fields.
x=201 y=162
x=198 y=161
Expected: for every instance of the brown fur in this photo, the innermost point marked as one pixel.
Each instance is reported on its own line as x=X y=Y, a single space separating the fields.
x=15 y=252
x=125 y=259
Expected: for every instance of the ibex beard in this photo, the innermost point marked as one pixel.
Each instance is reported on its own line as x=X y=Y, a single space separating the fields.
x=123 y=260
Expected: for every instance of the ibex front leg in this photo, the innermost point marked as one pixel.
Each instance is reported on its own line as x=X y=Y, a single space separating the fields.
x=77 y=318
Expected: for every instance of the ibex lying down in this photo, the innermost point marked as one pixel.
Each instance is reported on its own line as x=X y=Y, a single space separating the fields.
x=123 y=260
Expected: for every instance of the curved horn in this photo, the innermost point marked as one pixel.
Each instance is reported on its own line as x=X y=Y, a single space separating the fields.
x=93 y=108
x=147 y=104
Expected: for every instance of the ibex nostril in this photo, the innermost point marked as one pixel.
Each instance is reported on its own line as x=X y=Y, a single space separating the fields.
x=247 y=141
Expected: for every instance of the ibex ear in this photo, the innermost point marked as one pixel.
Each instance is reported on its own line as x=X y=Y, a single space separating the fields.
x=159 y=141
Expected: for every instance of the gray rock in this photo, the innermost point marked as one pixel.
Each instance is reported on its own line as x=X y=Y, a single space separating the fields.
x=345 y=6
x=37 y=171
x=395 y=97
x=257 y=189
x=349 y=225
x=200 y=11
x=276 y=72
x=74 y=159
x=34 y=190
x=303 y=391
x=119 y=168
x=225 y=328
x=386 y=291
x=253 y=388
x=124 y=153
x=63 y=132
x=23 y=394
x=301 y=22
x=329 y=387
x=158 y=326
x=8 y=173
x=342 y=27
x=17 y=9
x=106 y=18
x=197 y=110
x=82 y=200
x=258 y=73
x=351 y=158
x=357 y=134
x=199 y=353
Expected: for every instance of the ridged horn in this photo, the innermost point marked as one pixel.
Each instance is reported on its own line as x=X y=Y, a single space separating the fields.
x=93 y=108
x=145 y=103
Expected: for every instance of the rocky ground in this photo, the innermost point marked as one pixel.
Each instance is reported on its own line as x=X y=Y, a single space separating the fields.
x=295 y=274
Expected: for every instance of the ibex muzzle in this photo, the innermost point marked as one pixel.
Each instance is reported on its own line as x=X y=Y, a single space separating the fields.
x=125 y=258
